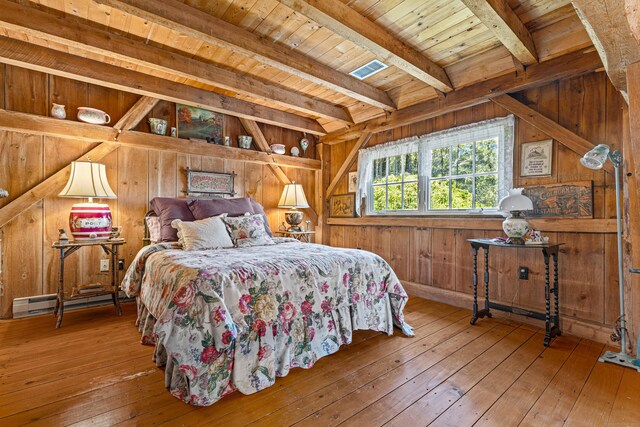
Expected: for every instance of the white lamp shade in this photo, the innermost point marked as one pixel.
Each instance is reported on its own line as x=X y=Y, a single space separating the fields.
x=293 y=197
x=515 y=201
x=88 y=180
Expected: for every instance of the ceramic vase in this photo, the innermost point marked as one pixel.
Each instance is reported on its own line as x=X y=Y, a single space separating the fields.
x=158 y=126
x=304 y=144
x=244 y=141
x=515 y=227
x=58 y=111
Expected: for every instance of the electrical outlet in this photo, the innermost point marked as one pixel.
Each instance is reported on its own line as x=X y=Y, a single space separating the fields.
x=104 y=265
x=121 y=264
x=524 y=273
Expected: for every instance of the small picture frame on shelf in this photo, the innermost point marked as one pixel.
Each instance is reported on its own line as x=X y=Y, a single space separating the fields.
x=353 y=182
x=536 y=158
x=343 y=206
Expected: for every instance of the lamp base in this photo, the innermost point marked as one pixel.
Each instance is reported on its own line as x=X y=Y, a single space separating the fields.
x=293 y=218
x=515 y=241
x=621 y=359
x=90 y=221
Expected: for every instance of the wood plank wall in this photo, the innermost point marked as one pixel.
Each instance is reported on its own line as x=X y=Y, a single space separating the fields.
x=28 y=264
x=438 y=261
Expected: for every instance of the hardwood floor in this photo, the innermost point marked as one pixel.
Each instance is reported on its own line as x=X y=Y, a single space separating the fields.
x=497 y=373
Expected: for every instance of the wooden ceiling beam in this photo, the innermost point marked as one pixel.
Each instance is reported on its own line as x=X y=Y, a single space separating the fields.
x=348 y=162
x=502 y=21
x=343 y=20
x=200 y=25
x=564 y=136
x=573 y=64
x=611 y=34
x=70 y=33
x=38 y=58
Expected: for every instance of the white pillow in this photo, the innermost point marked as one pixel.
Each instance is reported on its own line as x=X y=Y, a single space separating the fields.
x=154 y=226
x=208 y=233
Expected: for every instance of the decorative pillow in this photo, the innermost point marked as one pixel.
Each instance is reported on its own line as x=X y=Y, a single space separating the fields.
x=209 y=233
x=248 y=231
x=206 y=208
x=168 y=209
x=258 y=209
x=154 y=227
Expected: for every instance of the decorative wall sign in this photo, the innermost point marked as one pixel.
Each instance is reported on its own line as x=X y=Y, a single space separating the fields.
x=343 y=205
x=198 y=123
x=570 y=199
x=201 y=183
x=353 y=182
x=536 y=158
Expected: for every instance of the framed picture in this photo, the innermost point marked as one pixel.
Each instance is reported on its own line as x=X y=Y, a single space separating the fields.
x=569 y=199
x=201 y=183
x=353 y=182
x=343 y=206
x=536 y=158
x=198 y=123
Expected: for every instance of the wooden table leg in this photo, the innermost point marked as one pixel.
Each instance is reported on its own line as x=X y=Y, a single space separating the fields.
x=60 y=299
x=114 y=278
x=474 y=316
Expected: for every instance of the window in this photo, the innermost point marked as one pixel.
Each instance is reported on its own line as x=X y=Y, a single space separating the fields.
x=460 y=170
x=395 y=183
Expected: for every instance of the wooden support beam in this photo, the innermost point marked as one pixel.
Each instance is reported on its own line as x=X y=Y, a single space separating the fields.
x=506 y=26
x=258 y=137
x=573 y=64
x=67 y=33
x=49 y=186
x=38 y=58
x=610 y=32
x=139 y=110
x=564 y=136
x=342 y=20
x=40 y=125
x=197 y=24
x=348 y=162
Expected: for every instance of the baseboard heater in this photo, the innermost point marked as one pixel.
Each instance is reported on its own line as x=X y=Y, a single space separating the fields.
x=43 y=304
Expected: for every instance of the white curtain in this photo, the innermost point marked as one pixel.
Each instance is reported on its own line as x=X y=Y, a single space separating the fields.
x=502 y=128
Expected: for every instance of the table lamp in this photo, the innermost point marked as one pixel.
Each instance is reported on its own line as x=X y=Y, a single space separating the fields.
x=293 y=198
x=595 y=159
x=89 y=221
x=515 y=226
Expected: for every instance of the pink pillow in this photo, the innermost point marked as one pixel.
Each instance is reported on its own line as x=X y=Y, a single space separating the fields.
x=168 y=209
x=206 y=208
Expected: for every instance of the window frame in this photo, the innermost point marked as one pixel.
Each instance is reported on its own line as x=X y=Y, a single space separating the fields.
x=500 y=128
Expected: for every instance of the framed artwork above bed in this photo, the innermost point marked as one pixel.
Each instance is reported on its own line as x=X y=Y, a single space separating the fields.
x=209 y=184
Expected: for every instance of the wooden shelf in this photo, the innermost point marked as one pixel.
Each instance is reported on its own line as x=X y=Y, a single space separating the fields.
x=474 y=223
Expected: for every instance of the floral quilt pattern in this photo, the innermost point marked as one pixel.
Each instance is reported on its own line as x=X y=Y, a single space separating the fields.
x=230 y=319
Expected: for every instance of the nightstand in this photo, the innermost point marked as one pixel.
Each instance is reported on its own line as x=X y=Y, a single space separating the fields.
x=303 y=236
x=110 y=247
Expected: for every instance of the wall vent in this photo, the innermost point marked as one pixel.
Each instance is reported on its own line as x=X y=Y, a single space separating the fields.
x=368 y=69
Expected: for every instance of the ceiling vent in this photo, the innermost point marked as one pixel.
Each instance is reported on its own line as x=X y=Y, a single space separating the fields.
x=368 y=69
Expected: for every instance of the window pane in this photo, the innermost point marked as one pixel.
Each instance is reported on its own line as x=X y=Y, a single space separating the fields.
x=380 y=171
x=462 y=159
x=487 y=191
x=395 y=197
x=439 y=194
x=440 y=162
x=411 y=196
x=487 y=156
x=411 y=167
x=462 y=193
x=379 y=198
x=395 y=169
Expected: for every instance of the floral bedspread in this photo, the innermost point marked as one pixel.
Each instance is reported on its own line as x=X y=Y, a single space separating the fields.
x=237 y=318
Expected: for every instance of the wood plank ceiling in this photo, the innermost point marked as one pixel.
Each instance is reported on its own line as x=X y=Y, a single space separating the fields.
x=266 y=53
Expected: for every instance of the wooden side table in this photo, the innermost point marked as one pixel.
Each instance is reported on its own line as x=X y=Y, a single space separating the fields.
x=303 y=236
x=110 y=247
x=549 y=251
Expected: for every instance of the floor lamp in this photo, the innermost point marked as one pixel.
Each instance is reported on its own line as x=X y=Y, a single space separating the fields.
x=595 y=159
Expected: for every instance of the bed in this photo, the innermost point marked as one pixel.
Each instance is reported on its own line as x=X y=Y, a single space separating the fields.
x=237 y=318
